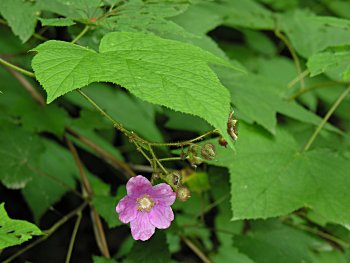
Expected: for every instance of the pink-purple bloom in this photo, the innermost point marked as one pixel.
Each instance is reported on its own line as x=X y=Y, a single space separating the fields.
x=146 y=207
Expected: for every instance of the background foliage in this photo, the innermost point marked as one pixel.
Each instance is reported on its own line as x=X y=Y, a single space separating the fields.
x=169 y=71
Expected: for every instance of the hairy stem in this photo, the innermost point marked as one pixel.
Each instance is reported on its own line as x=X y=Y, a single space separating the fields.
x=326 y=117
x=72 y=240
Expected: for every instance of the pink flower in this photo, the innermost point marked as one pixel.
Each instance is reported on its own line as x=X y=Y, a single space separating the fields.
x=146 y=207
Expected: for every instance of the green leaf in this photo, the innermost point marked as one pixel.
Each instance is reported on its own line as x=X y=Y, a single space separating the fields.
x=154 y=250
x=97 y=259
x=19 y=154
x=15 y=232
x=51 y=181
x=310 y=34
x=21 y=17
x=247 y=13
x=105 y=206
x=197 y=182
x=270 y=241
x=335 y=63
x=260 y=98
x=160 y=71
x=270 y=177
x=146 y=16
x=140 y=116
x=56 y=21
x=77 y=9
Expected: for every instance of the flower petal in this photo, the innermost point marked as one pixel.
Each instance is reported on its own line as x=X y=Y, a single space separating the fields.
x=141 y=227
x=163 y=194
x=161 y=216
x=138 y=185
x=126 y=209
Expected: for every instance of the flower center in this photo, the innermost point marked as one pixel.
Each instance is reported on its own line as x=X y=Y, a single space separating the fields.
x=144 y=203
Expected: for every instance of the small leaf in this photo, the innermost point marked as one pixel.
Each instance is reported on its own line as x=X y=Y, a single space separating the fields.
x=15 y=232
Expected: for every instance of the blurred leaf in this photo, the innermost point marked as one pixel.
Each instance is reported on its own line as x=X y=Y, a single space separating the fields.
x=54 y=176
x=120 y=52
x=21 y=17
x=77 y=9
x=56 y=22
x=105 y=206
x=310 y=34
x=197 y=182
x=154 y=250
x=260 y=98
x=271 y=241
x=19 y=154
x=146 y=16
x=335 y=63
x=97 y=259
x=14 y=232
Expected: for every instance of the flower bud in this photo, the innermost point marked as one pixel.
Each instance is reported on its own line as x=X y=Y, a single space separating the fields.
x=222 y=142
x=176 y=178
x=183 y=193
x=208 y=151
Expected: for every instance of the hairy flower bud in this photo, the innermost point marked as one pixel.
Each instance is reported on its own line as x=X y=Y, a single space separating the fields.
x=183 y=193
x=208 y=151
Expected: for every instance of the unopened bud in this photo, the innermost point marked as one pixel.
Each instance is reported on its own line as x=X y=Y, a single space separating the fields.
x=208 y=151
x=195 y=160
x=183 y=193
x=222 y=142
x=176 y=178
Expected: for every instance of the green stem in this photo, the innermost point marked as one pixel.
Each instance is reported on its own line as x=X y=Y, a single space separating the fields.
x=321 y=234
x=183 y=143
x=81 y=34
x=298 y=78
x=156 y=160
x=74 y=234
x=195 y=249
x=23 y=71
x=292 y=52
x=316 y=86
x=170 y=159
x=48 y=232
x=325 y=119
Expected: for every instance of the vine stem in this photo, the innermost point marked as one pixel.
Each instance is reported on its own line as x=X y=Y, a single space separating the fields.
x=72 y=240
x=12 y=66
x=48 y=232
x=326 y=117
x=196 y=250
x=81 y=34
